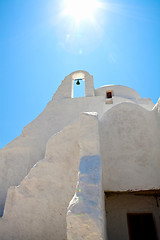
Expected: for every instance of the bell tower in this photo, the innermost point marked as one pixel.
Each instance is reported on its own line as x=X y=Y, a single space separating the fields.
x=65 y=90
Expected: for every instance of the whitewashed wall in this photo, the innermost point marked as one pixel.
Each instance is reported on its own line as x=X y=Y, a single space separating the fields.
x=130 y=140
x=36 y=209
x=19 y=156
x=85 y=215
x=129 y=148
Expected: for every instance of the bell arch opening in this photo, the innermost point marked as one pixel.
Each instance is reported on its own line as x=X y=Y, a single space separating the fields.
x=78 y=85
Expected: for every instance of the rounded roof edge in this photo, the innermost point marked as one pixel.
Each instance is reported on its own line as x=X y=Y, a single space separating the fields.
x=118 y=90
x=78 y=73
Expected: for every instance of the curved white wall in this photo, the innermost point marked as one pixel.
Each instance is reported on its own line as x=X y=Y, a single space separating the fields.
x=118 y=90
x=130 y=148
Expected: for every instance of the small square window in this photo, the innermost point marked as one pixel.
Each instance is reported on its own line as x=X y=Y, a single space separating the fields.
x=108 y=94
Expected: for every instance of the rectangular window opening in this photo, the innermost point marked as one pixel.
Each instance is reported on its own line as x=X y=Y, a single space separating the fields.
x=108 y=94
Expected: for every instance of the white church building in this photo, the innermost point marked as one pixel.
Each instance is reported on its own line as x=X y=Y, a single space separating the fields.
x=87 y=168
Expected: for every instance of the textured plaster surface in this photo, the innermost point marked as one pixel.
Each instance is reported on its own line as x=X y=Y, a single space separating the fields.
x=85 y=218
x=20 y=155
x=130 y=140
x=36 y=209
x=119 y=91
x=41 y=165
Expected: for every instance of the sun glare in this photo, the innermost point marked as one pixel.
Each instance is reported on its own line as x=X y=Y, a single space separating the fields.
x=80 y=25
x=80 y=9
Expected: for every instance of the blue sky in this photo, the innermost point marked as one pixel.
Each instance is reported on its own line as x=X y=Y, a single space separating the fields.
x=39 y=46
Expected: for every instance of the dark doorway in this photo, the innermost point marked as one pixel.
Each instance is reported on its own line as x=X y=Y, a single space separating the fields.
x=141 y=226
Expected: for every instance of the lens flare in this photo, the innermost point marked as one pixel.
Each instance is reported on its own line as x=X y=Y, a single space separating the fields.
x=80 y=25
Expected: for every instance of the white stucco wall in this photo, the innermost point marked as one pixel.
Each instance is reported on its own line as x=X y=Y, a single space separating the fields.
x=119 y=91
x=85 y=216
x=130 y=139
x=36 y=209
x=19 y=156
x=129 y=133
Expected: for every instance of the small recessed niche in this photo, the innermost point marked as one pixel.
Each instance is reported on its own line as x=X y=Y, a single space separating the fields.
x=109 y=94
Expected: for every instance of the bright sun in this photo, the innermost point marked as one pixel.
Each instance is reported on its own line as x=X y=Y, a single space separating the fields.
x=80 y=9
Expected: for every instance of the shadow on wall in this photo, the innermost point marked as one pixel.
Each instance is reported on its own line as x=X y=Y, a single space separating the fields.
x=2 y=204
